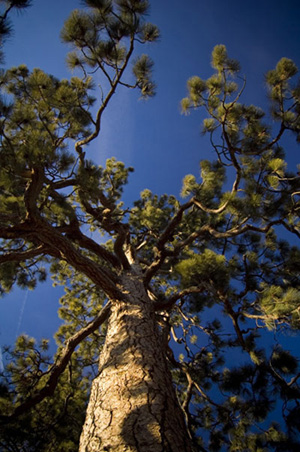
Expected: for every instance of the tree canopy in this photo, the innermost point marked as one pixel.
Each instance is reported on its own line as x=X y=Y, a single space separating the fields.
x=220 y=261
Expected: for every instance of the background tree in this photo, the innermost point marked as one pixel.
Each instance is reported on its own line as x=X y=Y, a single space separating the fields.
x=160 y=268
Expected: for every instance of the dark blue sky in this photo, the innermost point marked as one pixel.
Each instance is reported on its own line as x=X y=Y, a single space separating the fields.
x=153 y=136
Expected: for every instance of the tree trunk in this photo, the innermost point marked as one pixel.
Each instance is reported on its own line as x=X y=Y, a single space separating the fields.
x=133 y=405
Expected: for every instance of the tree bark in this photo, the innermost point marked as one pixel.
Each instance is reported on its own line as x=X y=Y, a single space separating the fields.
x=133 y=405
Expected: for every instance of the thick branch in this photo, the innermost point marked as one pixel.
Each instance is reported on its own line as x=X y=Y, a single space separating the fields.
x=101 y=276
x=22 y=230
x=120 y=242
x=93 y=246
x=22 y=256
x=58 y=368
x=62 y=247
x=63 y=183
x=236 y=230
x=208 y=210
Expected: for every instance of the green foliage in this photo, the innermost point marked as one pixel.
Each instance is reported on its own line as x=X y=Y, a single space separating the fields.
x=221 y=62
x=280 y=302
x=206 y=267
x=284 y=362
x=57 y=422
x=189 y=185
x=142 y=71
x=283 y=93
x=149 y=32
x=100 y=35
x=213 y=178
x=44 y=114
x=26 y=276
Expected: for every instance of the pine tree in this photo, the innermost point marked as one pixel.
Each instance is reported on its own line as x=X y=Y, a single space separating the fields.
x=213 y=270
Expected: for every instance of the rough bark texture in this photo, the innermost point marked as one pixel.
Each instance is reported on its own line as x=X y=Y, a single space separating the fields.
x=133 y=405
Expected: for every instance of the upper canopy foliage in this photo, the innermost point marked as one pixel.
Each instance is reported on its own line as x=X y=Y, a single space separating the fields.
x=217 y=266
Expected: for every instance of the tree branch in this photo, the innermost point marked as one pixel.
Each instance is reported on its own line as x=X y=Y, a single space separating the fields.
x=59 y=367
x=236 y=230
x=58 y=243
x=120 y=241
x=94 y=247
x=22 y=256
x=93 y=135
x=61 y=247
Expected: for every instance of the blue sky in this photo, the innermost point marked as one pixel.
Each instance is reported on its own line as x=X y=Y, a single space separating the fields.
x=153 y=136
